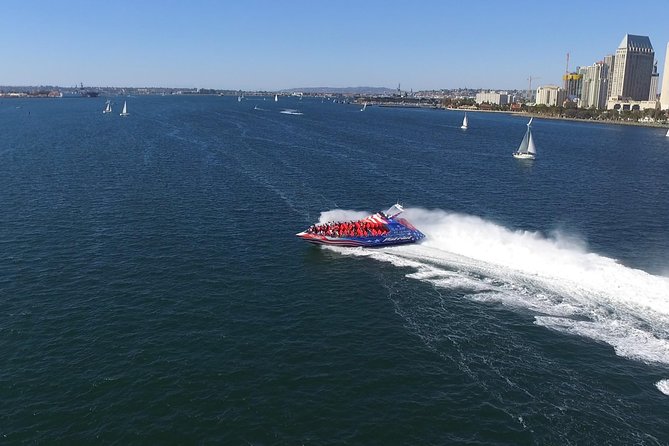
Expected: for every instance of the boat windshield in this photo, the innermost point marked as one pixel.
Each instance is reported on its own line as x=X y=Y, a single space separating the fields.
x=394 y=210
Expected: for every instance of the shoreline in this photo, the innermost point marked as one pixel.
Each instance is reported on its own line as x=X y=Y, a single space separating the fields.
x=597 y=121
x=561 y=118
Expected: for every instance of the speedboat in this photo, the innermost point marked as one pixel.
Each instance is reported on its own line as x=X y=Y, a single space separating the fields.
x=379 y=229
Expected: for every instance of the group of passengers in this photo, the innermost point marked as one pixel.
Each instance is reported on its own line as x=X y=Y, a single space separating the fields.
x=350 y=229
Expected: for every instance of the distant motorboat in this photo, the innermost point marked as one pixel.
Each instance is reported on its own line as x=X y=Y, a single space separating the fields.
x=125 y=109
x=464 y=122
x=526 y=150
x=108 y=108
x=290 y=111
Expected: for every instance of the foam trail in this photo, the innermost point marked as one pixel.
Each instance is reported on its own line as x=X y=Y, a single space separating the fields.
x=663 y=386
x=571 y=290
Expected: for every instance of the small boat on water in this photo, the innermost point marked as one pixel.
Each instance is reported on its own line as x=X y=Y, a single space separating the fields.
x=526 y=150
x=125 y=109
x=290 y=111
x=108 y=108
x=380 y=229
x=667 y=133
x=364 y=107
x=276 y=98
x=464 y=122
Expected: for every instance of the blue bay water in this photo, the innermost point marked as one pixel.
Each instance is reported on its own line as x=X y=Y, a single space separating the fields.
x=152 y=290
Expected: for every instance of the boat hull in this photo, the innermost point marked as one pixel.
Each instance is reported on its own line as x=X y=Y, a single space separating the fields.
x=366 y=242
x=523 y=156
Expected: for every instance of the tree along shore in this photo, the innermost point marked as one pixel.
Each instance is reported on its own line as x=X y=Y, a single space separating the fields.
x=650 y=118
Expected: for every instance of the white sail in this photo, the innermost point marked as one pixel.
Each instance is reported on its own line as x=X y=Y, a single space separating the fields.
x=364 y=106
x=522 y=148
x=464 y=122
x=276 y=98
x=107 y=108
x=667 y=132
x=530 y=145
x=125 y=109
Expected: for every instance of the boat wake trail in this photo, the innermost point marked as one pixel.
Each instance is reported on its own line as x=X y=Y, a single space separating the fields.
x=567 y=288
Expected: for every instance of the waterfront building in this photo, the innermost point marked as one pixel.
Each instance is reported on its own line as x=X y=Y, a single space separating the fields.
x=633 y=68
x=573 y=83
x=664 y=96
x=594 y=86
x=654 y=82
x=628 y=104
x=609 y=61
x=550 y=95
x=492 y=97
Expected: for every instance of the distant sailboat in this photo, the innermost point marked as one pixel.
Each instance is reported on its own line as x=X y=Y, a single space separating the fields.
x=276 y=98
x=108 y=108
x=526 y=150
x=464 y=122
x=125 y=109
x=667 y=133
x=364 y=107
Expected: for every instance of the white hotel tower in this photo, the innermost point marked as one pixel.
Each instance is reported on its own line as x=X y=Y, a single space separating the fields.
x=664 y=96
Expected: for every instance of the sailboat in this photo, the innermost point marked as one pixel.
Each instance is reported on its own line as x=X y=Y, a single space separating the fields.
x=125 y=109
x=464 y=122
x=276 y=98
x=526 y=150
x=107 y=107
x=667 y=133
x=364 y=107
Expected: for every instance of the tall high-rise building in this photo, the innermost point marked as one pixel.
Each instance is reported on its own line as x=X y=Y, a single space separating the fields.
x=664 y=96
x=594 y=90
x=633 y=67
x=573 y=82
x=609 y=61
x=654 y=82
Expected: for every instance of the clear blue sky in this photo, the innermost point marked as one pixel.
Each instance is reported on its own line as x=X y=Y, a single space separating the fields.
x=276 y=44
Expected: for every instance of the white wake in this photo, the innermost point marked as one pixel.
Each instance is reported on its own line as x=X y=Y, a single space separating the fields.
x=663 y=386
x=568 y=288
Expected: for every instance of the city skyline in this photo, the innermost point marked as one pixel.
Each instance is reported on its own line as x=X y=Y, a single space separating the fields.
x=264 y=46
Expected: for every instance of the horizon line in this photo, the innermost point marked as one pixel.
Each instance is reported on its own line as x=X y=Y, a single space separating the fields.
x=91 y=87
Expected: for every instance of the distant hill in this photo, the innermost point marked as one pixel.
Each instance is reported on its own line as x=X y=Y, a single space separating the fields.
x=342 y=90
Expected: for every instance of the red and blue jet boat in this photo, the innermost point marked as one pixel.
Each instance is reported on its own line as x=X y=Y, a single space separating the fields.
x=380 y=229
